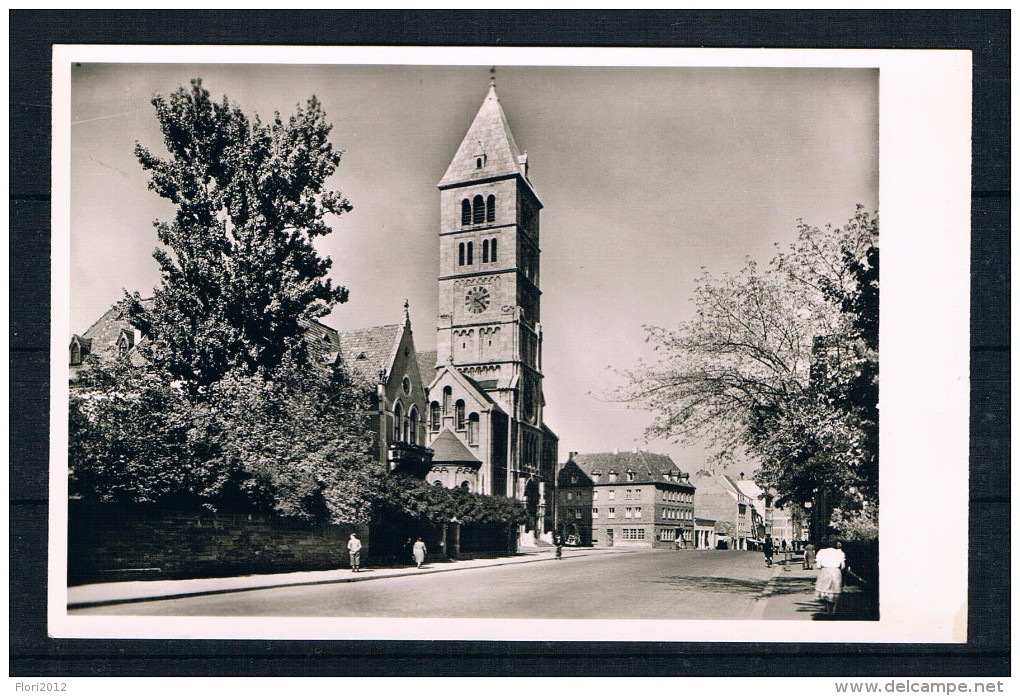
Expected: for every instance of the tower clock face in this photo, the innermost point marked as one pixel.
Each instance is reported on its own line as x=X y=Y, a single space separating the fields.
x=477 y=299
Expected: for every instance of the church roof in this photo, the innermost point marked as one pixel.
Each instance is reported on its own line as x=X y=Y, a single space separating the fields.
x=101 y=338
x=323 y=341
x=648 y=467
x=427 y=366
x=448 y=449
x=366 y=351
x=489 y=137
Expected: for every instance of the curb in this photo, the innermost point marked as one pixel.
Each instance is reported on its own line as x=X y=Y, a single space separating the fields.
x=543 y=556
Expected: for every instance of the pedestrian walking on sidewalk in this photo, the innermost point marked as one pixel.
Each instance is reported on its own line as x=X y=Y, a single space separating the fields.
x=829 y=586
x=419 y=552
x=354 y=547
x=559 y=549
x=809 y=556
x=768 y=549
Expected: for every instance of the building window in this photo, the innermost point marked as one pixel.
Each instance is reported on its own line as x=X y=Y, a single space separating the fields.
x=570 y=495
x=633 y=534
x=460 y=254
x=478 y=211
x=460 y=414
x=75 y=353
x=612 y=477
x=612 y=494
x=492 y=250
x=490 y=209
x=573 y=478
x=465 y=212
x=630 y=475
x=594 y=495
x=434 y=416
x=637 y=494
x=447 y=397
x=470 y=253
x=668 y=534
x=485 y=251
x=577 y=513
x=412 y=426
x=398 y=413
x=637 y=512
x=473 y=429
x=626 y=494
x=594 y=512
x=611 y=514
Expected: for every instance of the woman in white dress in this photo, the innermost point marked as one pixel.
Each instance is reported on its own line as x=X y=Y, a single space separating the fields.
x=830 y=560
x=419 y=552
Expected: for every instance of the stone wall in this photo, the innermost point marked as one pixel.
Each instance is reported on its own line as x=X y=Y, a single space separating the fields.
x=135 y=542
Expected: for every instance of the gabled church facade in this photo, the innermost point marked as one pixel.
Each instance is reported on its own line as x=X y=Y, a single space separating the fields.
x=486 y=396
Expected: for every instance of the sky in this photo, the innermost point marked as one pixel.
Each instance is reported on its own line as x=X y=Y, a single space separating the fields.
x=647 y=176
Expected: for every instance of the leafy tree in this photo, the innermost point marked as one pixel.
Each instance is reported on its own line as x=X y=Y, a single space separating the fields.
x=780 y=363
x=239 y=269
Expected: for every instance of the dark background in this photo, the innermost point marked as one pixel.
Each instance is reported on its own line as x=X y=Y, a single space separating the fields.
x=986 y=33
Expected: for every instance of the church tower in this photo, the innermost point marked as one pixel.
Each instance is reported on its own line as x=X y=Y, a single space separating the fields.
x=489 y=326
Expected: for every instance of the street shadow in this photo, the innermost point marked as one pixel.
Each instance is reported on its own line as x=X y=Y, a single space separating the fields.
x=853 y=605
x=788 y=586
x=714 y=584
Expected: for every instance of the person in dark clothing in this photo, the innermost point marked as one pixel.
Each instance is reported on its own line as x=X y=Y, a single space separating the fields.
x=769 y=549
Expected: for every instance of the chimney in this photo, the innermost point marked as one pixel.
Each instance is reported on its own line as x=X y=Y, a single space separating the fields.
x=741 y=475
x=571 y=455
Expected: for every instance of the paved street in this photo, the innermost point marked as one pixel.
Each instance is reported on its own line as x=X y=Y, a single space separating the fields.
x=643 y=584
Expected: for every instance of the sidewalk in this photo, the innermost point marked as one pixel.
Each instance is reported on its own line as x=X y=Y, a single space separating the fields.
x=143 y=590
x=790 y=596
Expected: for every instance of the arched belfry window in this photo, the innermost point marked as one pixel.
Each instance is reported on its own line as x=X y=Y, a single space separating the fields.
x=485 y=251
x=434 y=416
x=470 y=253
x=447 y=398
x=465 y=212
x=460 y=415
x=460 y=254
x=492 y=251
x=398 y=413
x=478 y=210
x=490 y=209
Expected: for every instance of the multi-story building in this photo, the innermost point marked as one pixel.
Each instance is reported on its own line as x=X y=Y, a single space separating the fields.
x=625 y=499
x=737 y=524
x=486 y=401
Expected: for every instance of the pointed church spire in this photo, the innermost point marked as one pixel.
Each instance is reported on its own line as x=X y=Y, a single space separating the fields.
x=488 y=149
x=407 y=312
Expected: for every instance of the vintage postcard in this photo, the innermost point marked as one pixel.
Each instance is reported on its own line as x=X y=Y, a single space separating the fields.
x=510 y=344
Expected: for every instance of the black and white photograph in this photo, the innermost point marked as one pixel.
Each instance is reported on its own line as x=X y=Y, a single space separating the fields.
x=495 y=346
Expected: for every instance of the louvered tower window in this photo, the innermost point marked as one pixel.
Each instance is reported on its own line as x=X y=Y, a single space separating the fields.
x=465 y=212
x=490 y=209
x=478 y=210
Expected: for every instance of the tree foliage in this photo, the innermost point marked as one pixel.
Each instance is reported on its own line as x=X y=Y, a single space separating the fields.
x=781 y=363
x=294 y=446
x=239 y=268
